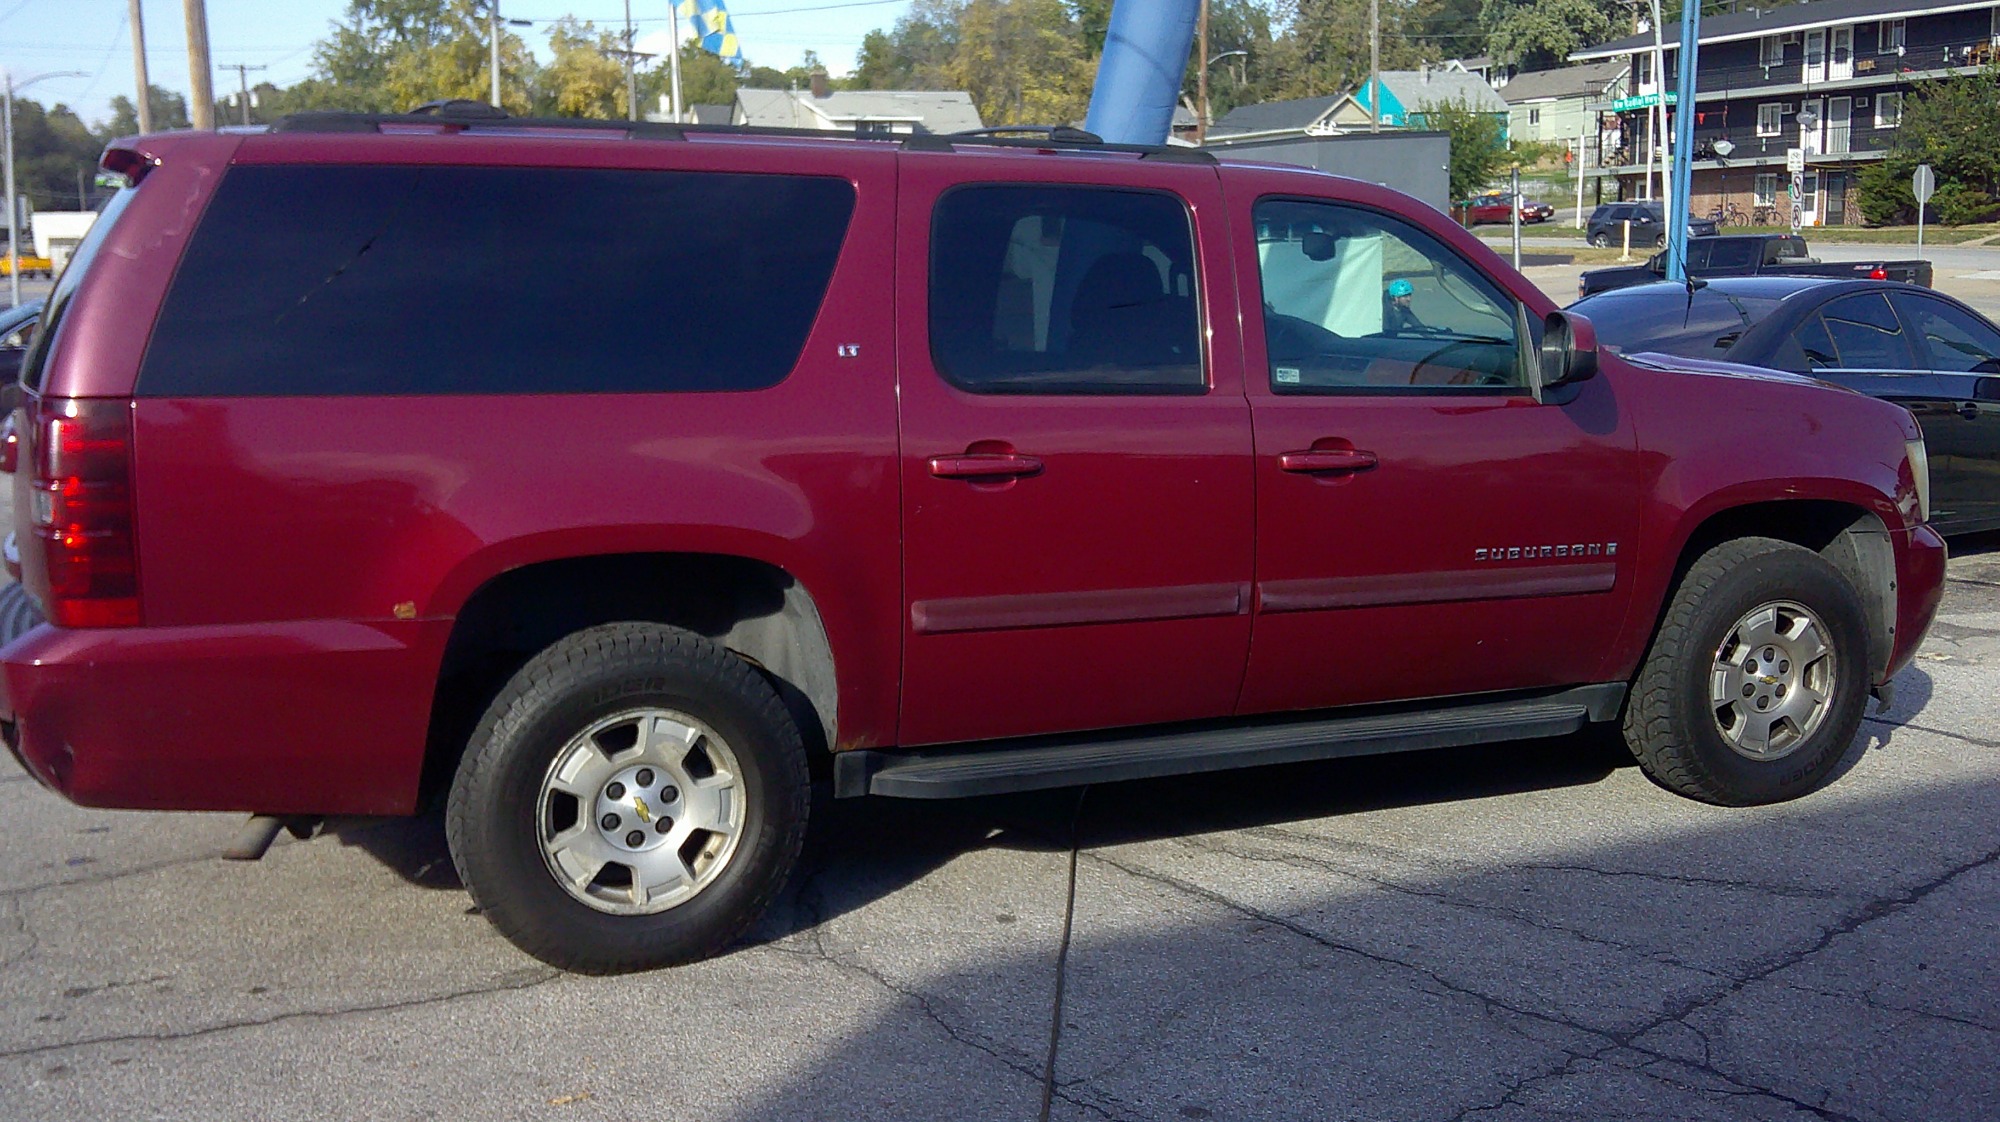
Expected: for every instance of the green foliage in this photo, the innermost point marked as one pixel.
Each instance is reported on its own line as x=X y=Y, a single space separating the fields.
x=1538 y=34
x=915 y=54
x=1233 y=25
x=52 y=148
x=170 y=111
x=1478 y=143
x=582 y=78
x=1885 y=196
x=1325 y=47
x=1953 y=125
x=1022 y=61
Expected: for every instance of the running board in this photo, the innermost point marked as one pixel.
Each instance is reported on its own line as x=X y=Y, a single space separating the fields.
x=1031 y=764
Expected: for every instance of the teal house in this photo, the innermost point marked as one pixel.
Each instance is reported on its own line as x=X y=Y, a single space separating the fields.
x=1402 y=94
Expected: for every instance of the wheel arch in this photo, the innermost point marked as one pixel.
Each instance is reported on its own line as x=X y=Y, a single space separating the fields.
x=1851 y=537
x=758 y=610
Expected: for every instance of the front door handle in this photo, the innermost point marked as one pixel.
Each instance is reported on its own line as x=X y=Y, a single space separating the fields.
x=1321 y=461
x=1969 y=410
x=985 y=465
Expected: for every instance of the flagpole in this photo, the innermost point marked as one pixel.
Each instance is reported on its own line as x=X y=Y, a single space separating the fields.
x=674 y=60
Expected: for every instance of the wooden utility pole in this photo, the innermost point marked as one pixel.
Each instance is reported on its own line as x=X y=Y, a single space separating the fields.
x=201 y=88
x=144 y=103
x=243 y=82
x=1375 y=65
x=1201 y=82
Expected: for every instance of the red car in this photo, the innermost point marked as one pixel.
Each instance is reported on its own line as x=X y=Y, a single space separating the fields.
x=1492 y=207
x=916 y=467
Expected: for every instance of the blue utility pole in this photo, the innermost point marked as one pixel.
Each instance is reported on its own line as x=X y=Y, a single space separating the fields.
x=1684 y=115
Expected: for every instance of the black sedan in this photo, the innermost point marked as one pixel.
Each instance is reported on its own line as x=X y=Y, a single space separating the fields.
x=17 y=330
x=1913 y=346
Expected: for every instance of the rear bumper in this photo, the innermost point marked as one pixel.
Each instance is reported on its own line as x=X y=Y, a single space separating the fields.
x=314 y=717
x=1920 y=562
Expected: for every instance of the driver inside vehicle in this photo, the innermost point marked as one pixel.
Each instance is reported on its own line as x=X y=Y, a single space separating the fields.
x=1397 y=315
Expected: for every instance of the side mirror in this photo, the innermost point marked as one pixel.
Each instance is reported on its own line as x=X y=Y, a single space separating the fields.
x=1569 y=349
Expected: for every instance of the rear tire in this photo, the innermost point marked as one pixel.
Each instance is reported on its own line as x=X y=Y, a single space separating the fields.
x=1757 y=678
x=635 y=797
x=18 y=613
x=1601 y=240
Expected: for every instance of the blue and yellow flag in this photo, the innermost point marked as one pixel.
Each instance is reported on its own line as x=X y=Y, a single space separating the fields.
x=718 y=35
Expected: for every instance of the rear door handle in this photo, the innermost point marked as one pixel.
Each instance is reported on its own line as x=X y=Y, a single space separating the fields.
x=985 y=465
x=1318 y=461
x=1969 y=410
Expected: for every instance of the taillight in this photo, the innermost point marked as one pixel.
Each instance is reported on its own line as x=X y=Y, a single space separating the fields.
x=82 y=516
x=1878 y=273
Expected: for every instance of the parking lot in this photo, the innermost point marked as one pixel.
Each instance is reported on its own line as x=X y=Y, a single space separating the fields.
x=1518 y=932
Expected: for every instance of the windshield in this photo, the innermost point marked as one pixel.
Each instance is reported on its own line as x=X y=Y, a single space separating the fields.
x=66 y=286
x=1666 y=318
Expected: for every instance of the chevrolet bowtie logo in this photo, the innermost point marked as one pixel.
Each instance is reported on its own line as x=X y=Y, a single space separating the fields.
x=639 y=805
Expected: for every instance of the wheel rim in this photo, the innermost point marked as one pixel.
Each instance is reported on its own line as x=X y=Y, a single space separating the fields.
x=1772 y=681
x=640 y=811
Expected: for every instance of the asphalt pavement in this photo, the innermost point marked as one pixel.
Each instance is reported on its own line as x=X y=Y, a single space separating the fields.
x=1510 y=933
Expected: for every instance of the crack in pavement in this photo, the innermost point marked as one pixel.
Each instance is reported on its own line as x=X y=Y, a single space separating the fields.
x=1869 y=912
x=107 y=877
x=537 y=978
x=810 y=911
x=20 y=913
x=1443 y=862
x=1975 y=741
x=1875 y=1002
x=1294 y=860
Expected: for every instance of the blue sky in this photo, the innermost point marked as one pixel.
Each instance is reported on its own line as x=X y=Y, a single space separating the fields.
x=40 y=36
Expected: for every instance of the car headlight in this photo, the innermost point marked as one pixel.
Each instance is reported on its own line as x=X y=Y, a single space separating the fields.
x=1920 y=471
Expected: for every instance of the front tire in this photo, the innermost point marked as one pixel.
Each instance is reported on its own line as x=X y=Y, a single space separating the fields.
x=1757 y=679
x=1601 y=240
x=635 y=797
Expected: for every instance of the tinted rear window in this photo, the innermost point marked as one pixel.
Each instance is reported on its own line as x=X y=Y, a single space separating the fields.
x=399 y=280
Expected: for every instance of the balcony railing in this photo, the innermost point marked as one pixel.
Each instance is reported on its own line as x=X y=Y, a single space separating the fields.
x=1716 y=81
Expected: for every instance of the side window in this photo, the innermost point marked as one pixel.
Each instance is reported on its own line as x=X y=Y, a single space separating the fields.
x=1956 y=341
x=1359 y=301
x=318 y=280
x=1810 y=348
x=1701 y=254
x=1056 y=289
x=1866 y=333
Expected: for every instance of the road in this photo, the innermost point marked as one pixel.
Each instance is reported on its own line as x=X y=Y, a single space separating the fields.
x=1508 y=934
x=1513 y=934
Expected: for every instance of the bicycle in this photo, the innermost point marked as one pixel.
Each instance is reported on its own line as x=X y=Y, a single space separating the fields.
x=1729 y=214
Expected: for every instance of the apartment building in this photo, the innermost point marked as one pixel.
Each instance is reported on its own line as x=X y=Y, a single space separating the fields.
x=1827 y=77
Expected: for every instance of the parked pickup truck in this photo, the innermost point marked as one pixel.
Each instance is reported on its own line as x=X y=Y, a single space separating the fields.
x=1742 y=255
x=988 y=465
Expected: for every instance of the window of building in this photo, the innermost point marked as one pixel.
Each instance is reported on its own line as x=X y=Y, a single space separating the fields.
x=1771 y=118
x=308 y=279
x=1358 y=302
x=1889 y=36
x=1534 y=116
x=1766 y=191
x=1771 y=51
x=1888 y=110
x=1055 y=289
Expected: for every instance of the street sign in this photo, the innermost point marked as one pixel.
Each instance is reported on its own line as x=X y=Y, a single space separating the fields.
x=1924 y=184
x=1795 y=160
x=1642 y=101
x=1798 y=199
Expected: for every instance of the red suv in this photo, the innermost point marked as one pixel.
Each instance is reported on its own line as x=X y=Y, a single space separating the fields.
x=917 y=467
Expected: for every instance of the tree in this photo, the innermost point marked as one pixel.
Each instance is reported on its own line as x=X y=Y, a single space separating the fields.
x=915 y=54
x=55 y=156
x=392 y=55
x=1022 y=61
x=1233 y=25
x=1539 y=34
x=1952 y=124
x=1324 y=49
x=170 y=111
x=1478 y=142
x=582 y=79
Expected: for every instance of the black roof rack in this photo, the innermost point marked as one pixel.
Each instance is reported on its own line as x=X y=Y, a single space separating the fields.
x=462 y=115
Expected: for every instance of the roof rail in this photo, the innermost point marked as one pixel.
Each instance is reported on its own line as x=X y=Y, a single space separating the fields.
x=1053 y=136
x=461 y=115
